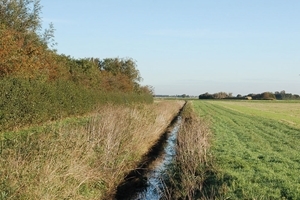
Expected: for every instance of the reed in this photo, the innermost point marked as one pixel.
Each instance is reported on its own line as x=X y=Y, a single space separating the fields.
x=187 y=175
x=83 y=158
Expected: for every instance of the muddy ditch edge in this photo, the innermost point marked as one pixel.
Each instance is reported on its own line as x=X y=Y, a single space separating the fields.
x=136 y=179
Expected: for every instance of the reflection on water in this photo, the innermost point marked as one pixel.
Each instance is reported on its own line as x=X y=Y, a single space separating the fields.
x=154 y=189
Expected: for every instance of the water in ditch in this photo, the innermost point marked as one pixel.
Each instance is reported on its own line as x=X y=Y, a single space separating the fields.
x=155 y=182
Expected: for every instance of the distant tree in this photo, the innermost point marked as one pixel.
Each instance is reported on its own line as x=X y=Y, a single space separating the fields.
x=206 y=96
x=254 y=96
x=267 y=96
x=239 y=96
x=278 y=95
x=296 y=96
x=220 y=95
x=284 y=96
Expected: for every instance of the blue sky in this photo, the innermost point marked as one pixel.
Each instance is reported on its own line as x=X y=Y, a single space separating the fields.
x=187 y=47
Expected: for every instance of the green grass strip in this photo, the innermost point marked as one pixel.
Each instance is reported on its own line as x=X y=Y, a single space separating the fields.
x=257 y=157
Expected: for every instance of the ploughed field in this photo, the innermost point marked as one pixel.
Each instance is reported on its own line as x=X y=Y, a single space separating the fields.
x=255 y=147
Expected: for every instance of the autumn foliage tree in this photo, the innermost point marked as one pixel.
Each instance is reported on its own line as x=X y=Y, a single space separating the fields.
x=22 y=49
x=37 y=84
x=25 y=51
x=120 y=74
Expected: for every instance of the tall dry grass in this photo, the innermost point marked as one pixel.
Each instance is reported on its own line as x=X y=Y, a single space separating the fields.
x=85 y=159
x=189 y=172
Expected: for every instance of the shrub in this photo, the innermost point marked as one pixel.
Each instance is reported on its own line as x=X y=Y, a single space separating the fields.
x=30 y=101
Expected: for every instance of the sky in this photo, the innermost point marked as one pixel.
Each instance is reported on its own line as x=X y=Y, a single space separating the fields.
x=187 y=47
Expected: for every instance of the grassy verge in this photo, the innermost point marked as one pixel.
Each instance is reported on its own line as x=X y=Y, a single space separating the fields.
x=83 y=158
x=257 y=156
x=192 y=165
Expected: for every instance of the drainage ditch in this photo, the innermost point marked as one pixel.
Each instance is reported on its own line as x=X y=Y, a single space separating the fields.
x=147 y=180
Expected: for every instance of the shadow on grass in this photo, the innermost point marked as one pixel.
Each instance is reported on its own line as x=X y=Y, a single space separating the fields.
x=136 y=179
x=215 y=186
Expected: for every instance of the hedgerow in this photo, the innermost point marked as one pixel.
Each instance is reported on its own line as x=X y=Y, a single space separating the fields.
x=25 y=102
x=37 y=84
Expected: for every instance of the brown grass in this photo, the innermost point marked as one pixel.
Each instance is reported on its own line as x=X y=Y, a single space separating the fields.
x=187 y=176
x=82 y=160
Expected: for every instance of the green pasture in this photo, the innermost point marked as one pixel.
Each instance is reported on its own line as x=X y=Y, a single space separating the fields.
x=255 y=147
x=287 y=112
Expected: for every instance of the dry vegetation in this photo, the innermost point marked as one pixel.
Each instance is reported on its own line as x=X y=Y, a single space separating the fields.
x=189 y=173
x=81 y=159
x=37 y=84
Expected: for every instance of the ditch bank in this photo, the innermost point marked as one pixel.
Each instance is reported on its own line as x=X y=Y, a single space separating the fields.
x=146 y=180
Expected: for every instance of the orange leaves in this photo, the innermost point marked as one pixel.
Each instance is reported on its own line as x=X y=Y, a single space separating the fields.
x=118 y=82
x=23 y=54
x=8 y=50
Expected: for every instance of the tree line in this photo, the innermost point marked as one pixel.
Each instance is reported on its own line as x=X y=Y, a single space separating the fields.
x=26 y=52
x=38 y=84
x=261 y=96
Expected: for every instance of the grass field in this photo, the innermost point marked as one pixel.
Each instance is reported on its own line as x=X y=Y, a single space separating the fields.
x=256 y=148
